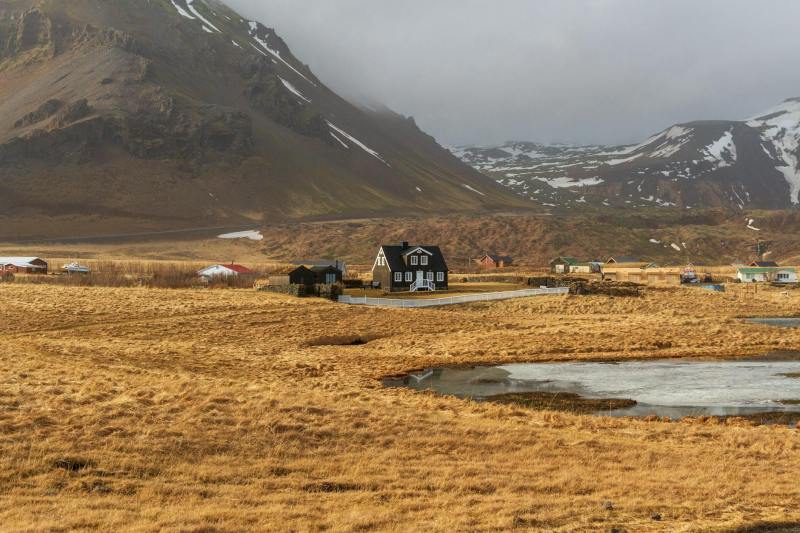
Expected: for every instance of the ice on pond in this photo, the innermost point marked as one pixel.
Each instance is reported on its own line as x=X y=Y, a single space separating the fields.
x=662 y=387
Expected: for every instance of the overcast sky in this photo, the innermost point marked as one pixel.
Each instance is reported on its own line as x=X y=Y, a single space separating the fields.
x=580 y=71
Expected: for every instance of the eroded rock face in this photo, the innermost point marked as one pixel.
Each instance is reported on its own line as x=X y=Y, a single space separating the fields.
x=268 y=94
x=34 y=30
x=162 y=129
x=46 y=110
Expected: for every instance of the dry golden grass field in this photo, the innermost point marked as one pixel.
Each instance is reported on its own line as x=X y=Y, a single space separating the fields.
x=232 y=410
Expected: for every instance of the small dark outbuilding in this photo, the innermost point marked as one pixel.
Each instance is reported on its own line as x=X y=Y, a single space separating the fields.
x=327 y=275
x=302 y=276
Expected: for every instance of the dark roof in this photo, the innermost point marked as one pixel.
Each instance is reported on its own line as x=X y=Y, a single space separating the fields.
x=325 y=268
x=394 y=257
x=568 y=260
x=320 y=262
x=625 y=259
x=499 y=258
x=763 y=264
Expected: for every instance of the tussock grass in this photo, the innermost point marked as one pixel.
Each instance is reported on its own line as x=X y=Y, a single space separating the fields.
x=179 y=410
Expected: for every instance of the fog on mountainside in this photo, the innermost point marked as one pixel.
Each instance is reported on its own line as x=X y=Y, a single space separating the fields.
x=574 y=71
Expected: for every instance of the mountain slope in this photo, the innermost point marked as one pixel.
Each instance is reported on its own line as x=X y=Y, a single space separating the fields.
x=741 y=164
x=179 y=112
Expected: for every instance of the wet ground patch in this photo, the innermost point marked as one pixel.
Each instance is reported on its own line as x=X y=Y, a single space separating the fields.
x=343 y=340
x=776 y=322
x=334 y=486
x=762 y=390
x=768 y=527
x=72 y=464
x=562 y=401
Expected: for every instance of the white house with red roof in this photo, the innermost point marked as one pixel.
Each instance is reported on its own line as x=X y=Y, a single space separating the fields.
x=224 y=271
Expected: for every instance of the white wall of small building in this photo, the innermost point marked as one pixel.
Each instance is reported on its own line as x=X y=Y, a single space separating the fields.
x=217 y=270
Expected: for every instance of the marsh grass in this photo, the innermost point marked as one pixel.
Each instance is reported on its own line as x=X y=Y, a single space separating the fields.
x=182 y=410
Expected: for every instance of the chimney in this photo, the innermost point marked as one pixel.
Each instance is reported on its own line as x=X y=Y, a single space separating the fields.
x=404 y=245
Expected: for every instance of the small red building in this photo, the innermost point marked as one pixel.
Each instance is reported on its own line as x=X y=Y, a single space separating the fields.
x=490 y=261
x=23 y=265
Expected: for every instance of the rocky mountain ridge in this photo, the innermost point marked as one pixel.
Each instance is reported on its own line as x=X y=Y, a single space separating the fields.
x=747 y=164
x=182 y=112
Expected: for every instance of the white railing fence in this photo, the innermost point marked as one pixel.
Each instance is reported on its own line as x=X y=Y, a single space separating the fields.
x=451 y=300
x=423 y=284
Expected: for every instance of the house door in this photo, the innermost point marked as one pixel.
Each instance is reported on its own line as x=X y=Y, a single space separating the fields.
x=420 y=277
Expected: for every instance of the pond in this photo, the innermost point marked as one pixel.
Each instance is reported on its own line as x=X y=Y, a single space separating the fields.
x=777 y=322
x=673 y=388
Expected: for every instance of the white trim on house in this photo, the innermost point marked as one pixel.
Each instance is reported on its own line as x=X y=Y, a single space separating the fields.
x=380 y=260
x=418 y=249
x=409 y=276
x=398 y=277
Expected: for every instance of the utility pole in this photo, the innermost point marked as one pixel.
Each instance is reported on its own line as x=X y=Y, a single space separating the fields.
x=760 y=248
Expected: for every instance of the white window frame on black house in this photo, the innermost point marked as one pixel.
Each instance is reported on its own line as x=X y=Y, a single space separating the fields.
x=409 y=277
x=430 y=275
x=439 y=277
x=423 y=260
x=414 y=260
x=398 y=277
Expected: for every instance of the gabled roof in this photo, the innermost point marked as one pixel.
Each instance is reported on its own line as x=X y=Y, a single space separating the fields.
x=320 y=262
x=24 y=262
x=623 y=259
x=324 y=268
x=763 y=264
x=568 y=260
x=499 y=258
x=765 y=270
x=239 y=269
x=396 y=262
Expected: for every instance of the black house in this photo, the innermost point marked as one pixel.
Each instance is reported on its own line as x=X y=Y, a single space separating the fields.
x=327 y=275
x=302 y=276
x=410 y=268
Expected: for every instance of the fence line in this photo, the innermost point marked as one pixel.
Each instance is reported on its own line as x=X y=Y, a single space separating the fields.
x=450 y=300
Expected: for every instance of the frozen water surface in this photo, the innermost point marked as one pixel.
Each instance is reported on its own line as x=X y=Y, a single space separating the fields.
x=674 y=388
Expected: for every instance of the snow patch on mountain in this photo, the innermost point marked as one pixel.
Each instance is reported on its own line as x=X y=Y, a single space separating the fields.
x=358 y=143
x=722 y=152
x=252 y=235
x=182 y=12
x=254 y=26
x=292 y=89
x=473 y=189
x=566 y=182
x=340 y=140
x=197 y=14
x=780 y=126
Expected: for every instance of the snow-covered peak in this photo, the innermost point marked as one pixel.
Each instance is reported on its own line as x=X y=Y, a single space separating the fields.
x=780 y=127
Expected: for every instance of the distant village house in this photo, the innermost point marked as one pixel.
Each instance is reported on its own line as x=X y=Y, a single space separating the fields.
x=410 y=268
x=224 y=271
x=23 y=265
x=324 y=263
x=571 y=265
x=776 y=274
x=493 y=261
